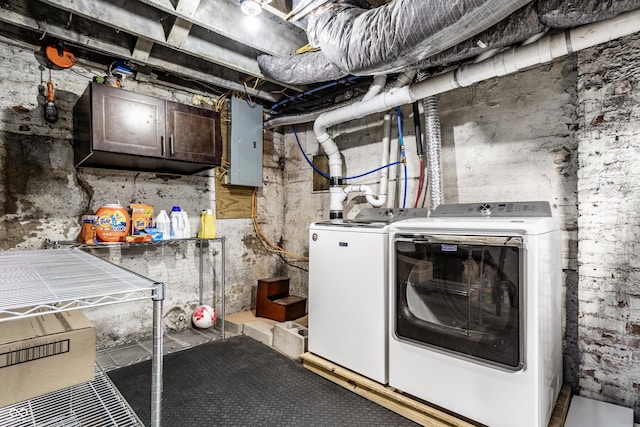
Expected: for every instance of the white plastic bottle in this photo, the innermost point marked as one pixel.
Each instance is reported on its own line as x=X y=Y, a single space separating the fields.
x=187 y=226
x=163 y=224
x=177 y=223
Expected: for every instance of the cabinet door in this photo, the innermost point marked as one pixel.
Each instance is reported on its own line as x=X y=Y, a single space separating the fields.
x=193 y=134
x=127 y=122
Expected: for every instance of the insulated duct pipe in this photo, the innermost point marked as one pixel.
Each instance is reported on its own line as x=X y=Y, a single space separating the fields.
x=544 y=50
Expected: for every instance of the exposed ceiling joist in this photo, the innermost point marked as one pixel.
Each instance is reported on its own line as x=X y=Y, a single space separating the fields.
x=142 y=50
x=187 y=7
x=225 y=18
x=179 y=32
x=140 y=20
x=94 y=44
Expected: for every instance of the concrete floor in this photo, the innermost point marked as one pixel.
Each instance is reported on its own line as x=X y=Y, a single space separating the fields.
x=290 y=339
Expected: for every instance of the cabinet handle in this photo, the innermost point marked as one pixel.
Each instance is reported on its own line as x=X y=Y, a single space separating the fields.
x=162 y=145
x=171 y=144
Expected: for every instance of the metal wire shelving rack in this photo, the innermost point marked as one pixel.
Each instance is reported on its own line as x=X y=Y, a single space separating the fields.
x=59 y=280
x=199 y=242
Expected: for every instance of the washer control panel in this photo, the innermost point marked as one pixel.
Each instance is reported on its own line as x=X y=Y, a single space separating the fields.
x=388 y=215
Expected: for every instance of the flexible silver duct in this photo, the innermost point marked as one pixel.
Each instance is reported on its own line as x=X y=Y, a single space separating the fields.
x=423 y=34
x=434 y=144
x=569 y=13
x=392 y=37
x=518 y=27
x=309 y=117
x=311 y=67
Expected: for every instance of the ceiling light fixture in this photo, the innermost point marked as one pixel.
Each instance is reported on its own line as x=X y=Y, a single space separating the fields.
x=250 y=7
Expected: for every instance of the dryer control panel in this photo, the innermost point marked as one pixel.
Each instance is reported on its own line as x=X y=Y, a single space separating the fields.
x=494 y=210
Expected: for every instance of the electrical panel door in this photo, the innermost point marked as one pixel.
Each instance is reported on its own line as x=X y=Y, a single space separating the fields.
x=245 y=144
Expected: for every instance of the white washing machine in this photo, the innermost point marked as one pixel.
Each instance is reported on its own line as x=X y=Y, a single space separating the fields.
x=348 y=290
x=475 y=311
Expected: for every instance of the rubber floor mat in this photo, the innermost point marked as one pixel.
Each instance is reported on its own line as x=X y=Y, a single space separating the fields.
x=242 y=382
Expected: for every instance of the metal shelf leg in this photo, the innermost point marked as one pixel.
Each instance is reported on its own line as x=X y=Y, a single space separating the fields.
x=156 y=360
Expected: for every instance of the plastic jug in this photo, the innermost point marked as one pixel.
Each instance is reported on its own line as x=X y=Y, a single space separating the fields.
x=187 y=226
x=163 y=224
x=207 y=225
x=177 y=223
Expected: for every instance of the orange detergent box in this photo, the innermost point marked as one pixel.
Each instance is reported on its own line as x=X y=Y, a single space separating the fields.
x=141 y=217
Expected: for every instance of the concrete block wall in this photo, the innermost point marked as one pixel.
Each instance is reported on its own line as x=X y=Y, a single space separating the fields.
x=43 y=196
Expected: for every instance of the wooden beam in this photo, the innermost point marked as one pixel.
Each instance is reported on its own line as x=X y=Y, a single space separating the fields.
x=142 y=50
x=139 y=23
x=224 y=17
x=280 y=8
x=561 y=409
x=94 y=44
x=187 y=7
x=179 y=32
x=414 y=409
x=385 y=396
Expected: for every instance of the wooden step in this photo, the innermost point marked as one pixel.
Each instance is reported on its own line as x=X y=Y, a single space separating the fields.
x=410 y=407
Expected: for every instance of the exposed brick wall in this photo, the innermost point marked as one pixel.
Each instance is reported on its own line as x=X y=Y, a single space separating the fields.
x=609 y=222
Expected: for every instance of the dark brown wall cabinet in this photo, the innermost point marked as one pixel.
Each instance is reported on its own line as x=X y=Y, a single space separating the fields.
x=118 y=129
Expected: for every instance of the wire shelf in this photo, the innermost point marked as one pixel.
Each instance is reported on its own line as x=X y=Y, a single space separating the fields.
x=64 y=279
x=57 y=244
x=56 y=280
x=95 y=403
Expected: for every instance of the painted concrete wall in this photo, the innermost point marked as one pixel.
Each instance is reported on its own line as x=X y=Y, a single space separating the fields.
x=565 y=132
x=42 y=197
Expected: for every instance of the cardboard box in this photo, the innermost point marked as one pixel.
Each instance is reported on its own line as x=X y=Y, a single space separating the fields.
x=42 y=354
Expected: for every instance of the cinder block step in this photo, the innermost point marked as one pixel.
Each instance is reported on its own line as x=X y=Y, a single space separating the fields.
x=290 y=338
x=260 y=330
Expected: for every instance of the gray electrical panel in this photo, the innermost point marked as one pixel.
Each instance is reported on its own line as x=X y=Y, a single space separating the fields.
x=245 y=143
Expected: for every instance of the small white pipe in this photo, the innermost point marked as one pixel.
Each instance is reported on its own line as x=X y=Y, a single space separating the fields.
x=405 y=78
x=376 y=87
x=381 y=199
x=384 y=173
x=544 y=50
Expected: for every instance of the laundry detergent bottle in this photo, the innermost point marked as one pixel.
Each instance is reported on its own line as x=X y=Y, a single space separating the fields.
x=207 y=225
x=163 y=224
x=178 y=226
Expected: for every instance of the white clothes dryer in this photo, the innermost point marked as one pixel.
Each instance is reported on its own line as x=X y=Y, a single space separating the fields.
x=475 y=306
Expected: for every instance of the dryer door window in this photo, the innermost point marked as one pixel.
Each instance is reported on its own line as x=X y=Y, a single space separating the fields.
x=461 y=294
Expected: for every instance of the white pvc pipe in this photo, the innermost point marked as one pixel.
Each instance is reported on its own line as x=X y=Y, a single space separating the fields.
x=405 y=78
x=539 y=52
x=386 y=145
x=544 y=50
x=376 y=87
x=379 y=200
